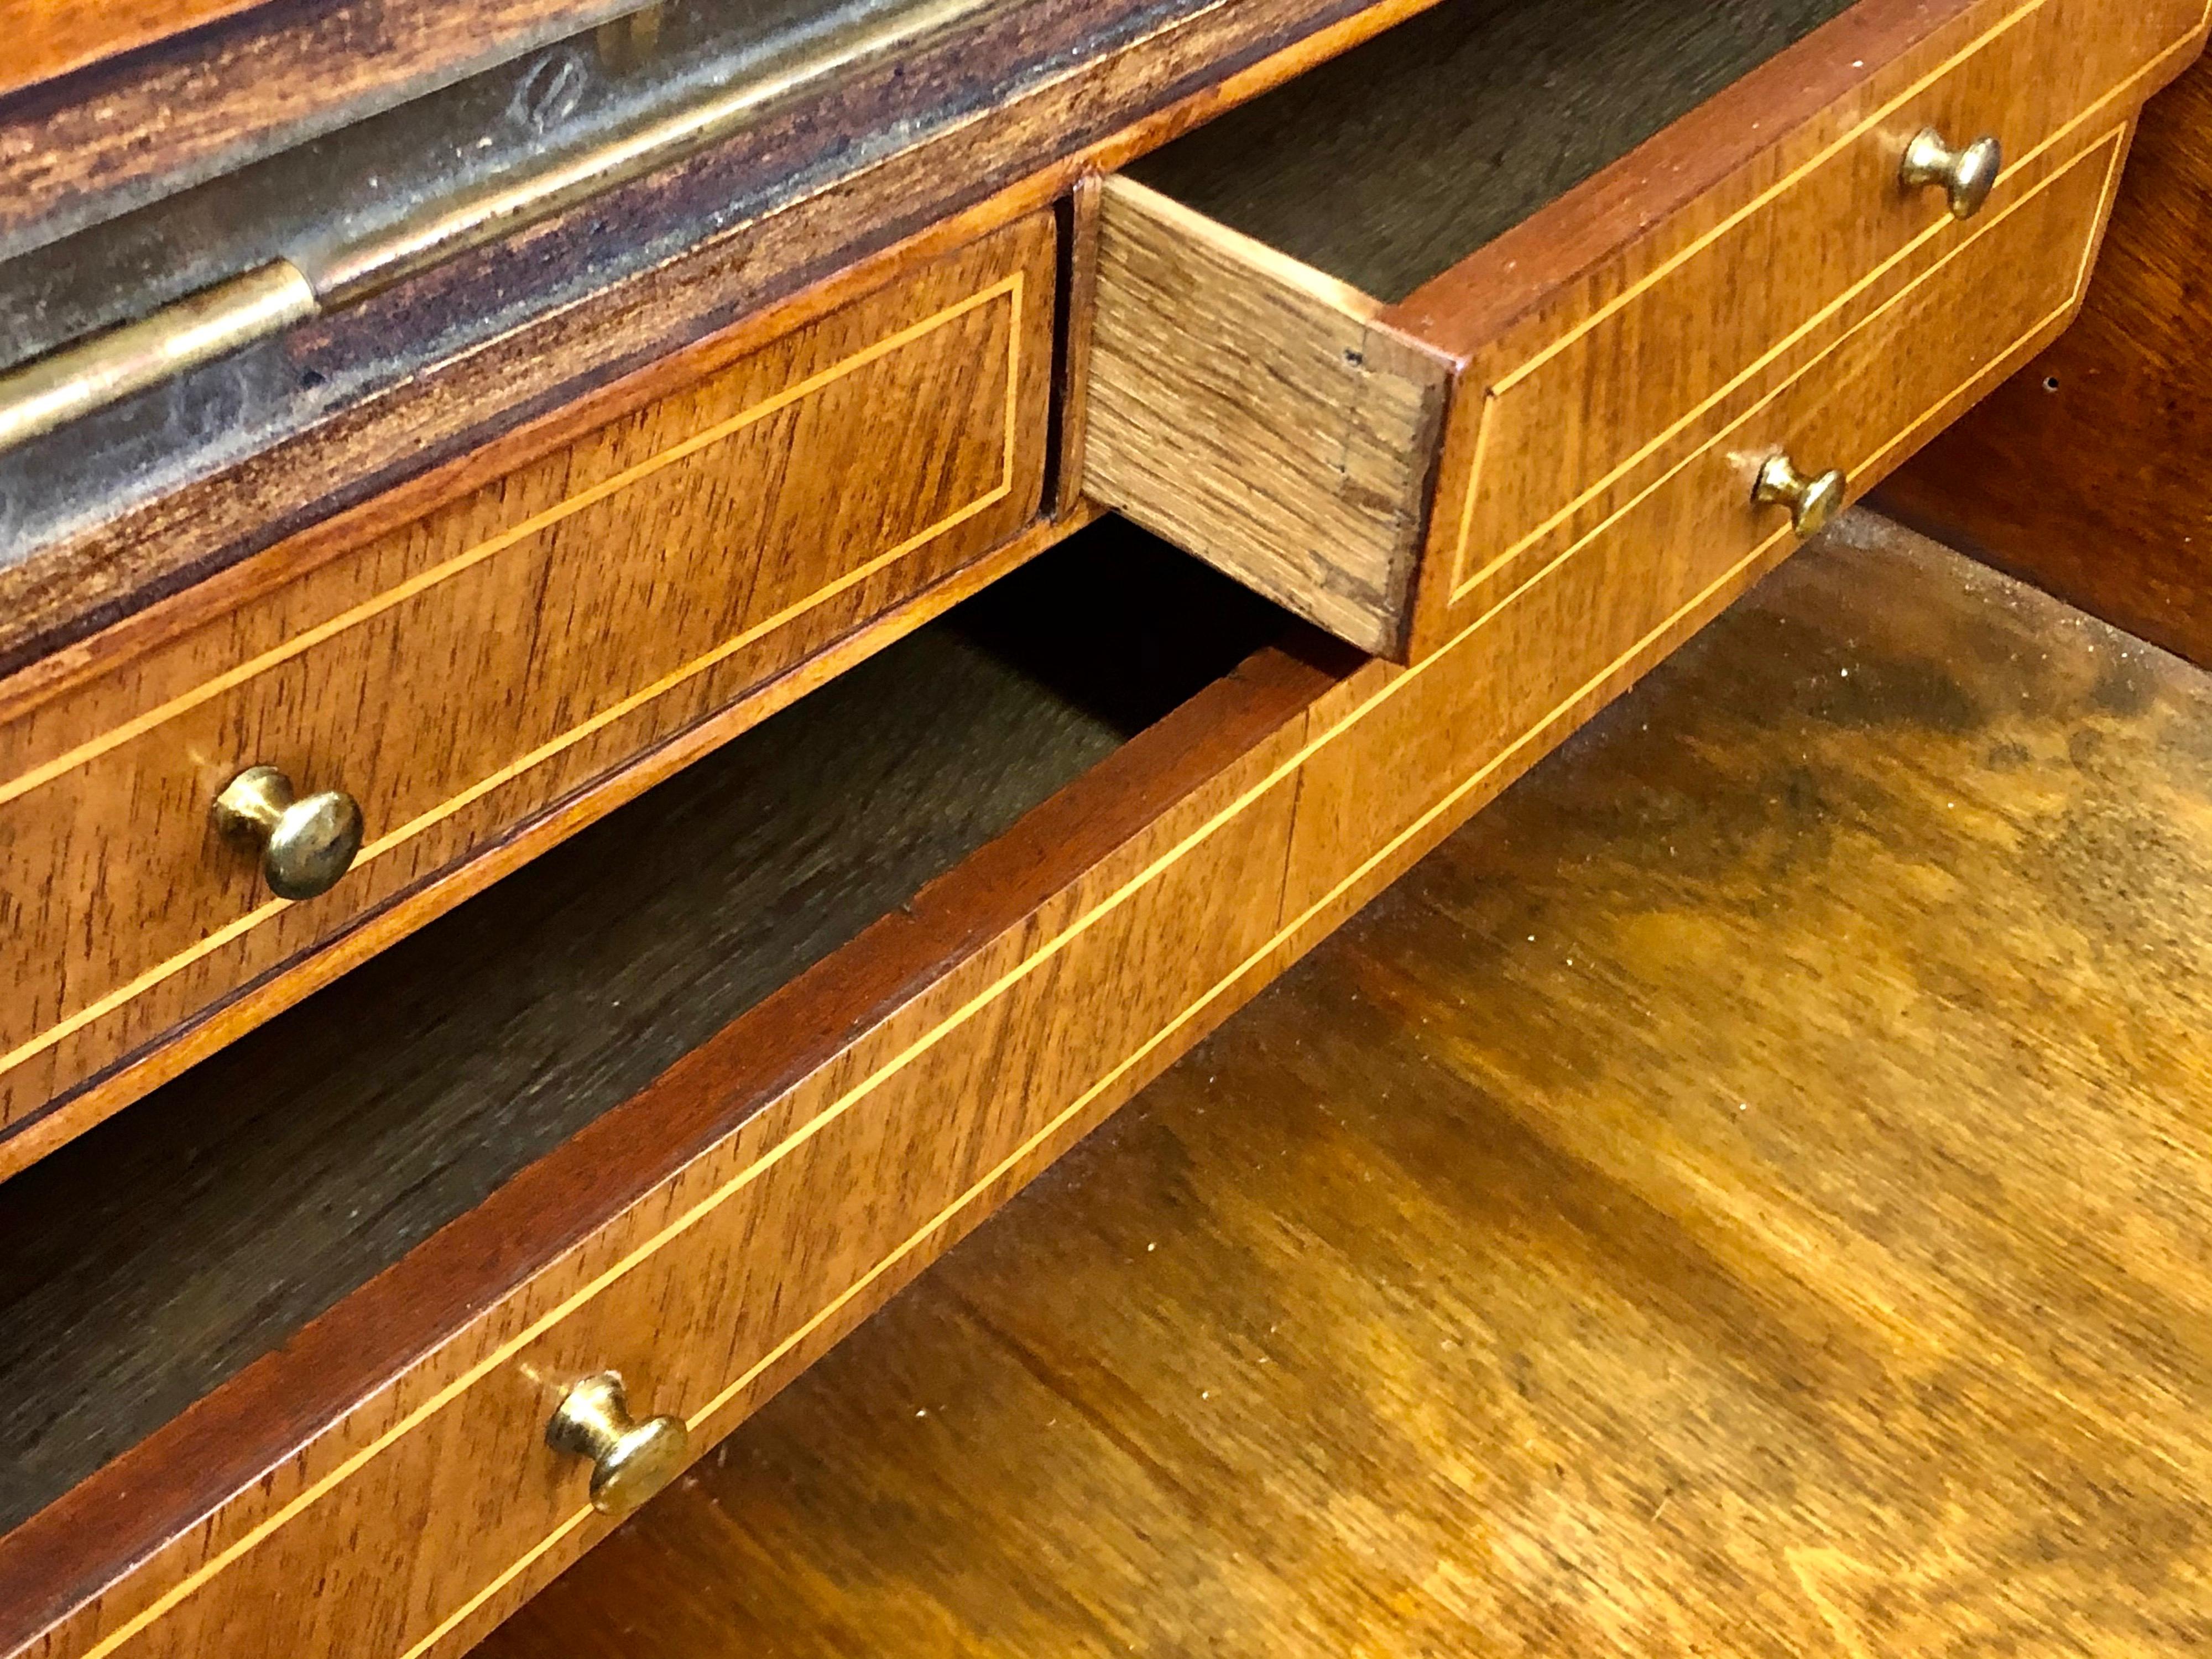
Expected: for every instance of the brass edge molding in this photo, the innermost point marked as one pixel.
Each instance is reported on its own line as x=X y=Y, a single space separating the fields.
x=1396 y=679
x=1463 y=582
x=74 y=380
x=1981 y=227
x=1012 y=288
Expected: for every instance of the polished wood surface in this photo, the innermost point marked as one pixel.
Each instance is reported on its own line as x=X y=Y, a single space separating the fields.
x=1586 y=401
x=1271 y=807
x=52 y=37
x=2083 y=473
x=1745 y=1194
x=1602 y=341
x=461 y=671
x=899 y=160
x=708 y=1232
x=187 y=99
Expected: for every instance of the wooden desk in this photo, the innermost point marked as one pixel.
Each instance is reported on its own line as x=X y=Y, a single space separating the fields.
x=782 y=463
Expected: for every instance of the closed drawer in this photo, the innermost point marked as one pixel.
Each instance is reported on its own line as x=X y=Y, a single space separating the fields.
x=460 y=667
x=1633 y=581
x=1375 y=342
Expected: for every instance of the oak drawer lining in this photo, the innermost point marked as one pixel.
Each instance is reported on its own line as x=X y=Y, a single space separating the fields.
x=1390 y=164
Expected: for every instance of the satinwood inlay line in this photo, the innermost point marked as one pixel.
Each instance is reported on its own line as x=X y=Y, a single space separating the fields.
x=1011 y=288
x=1492 y=395
x=1880 y=312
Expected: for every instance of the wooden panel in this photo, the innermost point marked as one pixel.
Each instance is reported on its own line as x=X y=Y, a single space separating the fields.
x=2084 y=472
x=1583 y=402
x=462 y=671
x=898 y=159
x=1251 y=409
x=409 y=1096
x=1637 y=578
x=1747 y=1195
x=53 y=37
x=866 y=1114
x=250 y=77
x=1132 y=919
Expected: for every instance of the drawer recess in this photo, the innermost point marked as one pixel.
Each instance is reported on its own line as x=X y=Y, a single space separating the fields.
x=690 y=1096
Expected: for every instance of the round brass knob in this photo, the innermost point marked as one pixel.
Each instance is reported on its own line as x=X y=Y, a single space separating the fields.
x=1812 y=501
x=306 y=845
x=630 y=1461
x=1967 y=176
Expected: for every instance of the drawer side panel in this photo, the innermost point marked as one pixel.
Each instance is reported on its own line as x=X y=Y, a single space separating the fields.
x=1255 y=414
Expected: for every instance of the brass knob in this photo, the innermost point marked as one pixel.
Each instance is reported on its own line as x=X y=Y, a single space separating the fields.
x=306 y=845
x=630 y=1461
x=1967 y=176
x=1812 y=502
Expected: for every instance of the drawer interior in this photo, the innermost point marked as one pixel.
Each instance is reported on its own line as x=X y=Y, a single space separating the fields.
x=1386 y=167
x=155 y=1257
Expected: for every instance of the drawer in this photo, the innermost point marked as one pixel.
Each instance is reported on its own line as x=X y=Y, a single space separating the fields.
x=689 y=1095
x=1375 y=342
x=903 y=942
x=464 y=657
x=1635 y=580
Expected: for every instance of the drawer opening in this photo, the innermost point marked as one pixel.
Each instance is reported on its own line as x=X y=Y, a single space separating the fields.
x=1386 y=167
x=157 y=1257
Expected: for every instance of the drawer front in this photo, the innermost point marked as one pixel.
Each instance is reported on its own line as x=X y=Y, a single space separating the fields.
x=1666 y=343
x=462 y=671
x=410 y=1526
x=1636 y=580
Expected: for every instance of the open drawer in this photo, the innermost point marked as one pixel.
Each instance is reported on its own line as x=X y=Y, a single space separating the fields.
x=1391 y=339
x=689 y=1095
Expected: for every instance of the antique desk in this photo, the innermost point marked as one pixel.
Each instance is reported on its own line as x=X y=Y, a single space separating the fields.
x=702 y=485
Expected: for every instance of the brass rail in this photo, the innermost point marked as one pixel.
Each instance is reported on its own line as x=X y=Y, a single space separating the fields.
x=75 y=380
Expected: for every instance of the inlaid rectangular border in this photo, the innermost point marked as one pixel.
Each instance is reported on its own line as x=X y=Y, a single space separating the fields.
x=1464 y=581
x=1012 y=288
x=1293 y=934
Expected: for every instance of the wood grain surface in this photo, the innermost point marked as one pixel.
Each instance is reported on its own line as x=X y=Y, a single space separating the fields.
x=461 y=671
x=1289 y=794
x=1251 y=409
x=1665 y=350
x=52 y=37
x=1615 y=357
x=170 y=91
x=1388 y=166
x=1745 y=1194
x=2082 y=473
x=1597 y=339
